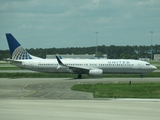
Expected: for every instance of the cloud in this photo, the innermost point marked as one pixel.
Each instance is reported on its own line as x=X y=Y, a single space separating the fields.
x=74 y=22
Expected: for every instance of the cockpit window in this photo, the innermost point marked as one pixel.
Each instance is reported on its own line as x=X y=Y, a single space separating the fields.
x=148 y=64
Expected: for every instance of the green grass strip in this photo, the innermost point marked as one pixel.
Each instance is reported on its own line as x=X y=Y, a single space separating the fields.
x=122 y=90
x=55 y=75
x=34 y=75
x=10 y=68
x=158 y=67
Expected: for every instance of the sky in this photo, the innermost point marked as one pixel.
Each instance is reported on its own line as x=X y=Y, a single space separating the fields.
x=74 y=23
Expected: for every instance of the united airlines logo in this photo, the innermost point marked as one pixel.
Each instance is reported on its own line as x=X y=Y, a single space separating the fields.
x=20 y=54
x=118 y=62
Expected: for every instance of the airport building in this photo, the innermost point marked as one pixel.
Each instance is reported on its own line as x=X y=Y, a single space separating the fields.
x=82 y=56
x=157 y=57
x=144 y=59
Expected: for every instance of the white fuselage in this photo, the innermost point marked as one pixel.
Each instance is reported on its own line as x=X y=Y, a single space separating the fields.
x=106 y=65
x=94 y=67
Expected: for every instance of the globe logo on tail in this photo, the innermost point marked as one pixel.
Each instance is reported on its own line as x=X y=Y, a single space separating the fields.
x=20 y=54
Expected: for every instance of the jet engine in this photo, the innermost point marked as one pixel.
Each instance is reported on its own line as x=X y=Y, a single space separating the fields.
x=95 y=72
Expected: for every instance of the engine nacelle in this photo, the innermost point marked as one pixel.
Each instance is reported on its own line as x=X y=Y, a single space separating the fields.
x=95 y=72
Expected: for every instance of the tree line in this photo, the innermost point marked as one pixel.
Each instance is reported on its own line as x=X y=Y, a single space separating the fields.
x=112 y=52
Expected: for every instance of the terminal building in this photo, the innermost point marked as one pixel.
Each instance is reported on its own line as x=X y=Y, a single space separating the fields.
x=82 y=56
x=144 y=59
x=157 y=57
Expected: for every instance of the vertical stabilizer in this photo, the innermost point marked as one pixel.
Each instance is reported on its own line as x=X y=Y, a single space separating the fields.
x=16 y=50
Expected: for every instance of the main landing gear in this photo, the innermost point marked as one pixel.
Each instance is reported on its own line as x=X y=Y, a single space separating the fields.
x=141 y=76
x=79 y=76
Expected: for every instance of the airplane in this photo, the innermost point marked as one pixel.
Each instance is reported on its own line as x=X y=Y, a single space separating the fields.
x=92 y=67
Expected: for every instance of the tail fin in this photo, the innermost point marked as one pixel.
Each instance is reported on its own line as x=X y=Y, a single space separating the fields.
x=16 y=50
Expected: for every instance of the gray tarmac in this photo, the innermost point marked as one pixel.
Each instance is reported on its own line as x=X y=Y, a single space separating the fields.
x=55 y=88
x=52 y=98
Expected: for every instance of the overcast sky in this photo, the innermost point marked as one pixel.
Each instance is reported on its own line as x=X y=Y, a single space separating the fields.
x=73 y=23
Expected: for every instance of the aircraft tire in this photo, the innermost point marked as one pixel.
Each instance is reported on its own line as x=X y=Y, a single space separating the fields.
x=79 y=76
x=141 y=76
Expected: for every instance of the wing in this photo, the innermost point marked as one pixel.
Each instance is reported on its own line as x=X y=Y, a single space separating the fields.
x=74 y=69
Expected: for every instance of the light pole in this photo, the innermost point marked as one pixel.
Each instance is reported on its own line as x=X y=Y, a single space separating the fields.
x=151 y=45
x=96 y=44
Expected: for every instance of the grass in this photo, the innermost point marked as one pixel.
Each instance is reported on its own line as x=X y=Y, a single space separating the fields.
x=158 y=67
x=10 y=68
x=155 y=62
x=7 y=66
x=55 y=75
x=123 y=90
x=35 y=75
x=152 y=74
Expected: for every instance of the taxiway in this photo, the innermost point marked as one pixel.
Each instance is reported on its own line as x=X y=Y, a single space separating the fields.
x=52 y=98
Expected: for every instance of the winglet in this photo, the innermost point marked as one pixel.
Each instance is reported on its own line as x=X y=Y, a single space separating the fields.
x=60 y=57
x=59 y=61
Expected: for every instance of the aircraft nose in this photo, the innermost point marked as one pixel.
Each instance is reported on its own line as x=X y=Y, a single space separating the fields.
x=154 y=67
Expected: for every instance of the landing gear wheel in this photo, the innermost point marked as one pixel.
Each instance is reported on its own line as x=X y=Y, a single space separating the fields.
x=141 y=76
x=79 y=76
